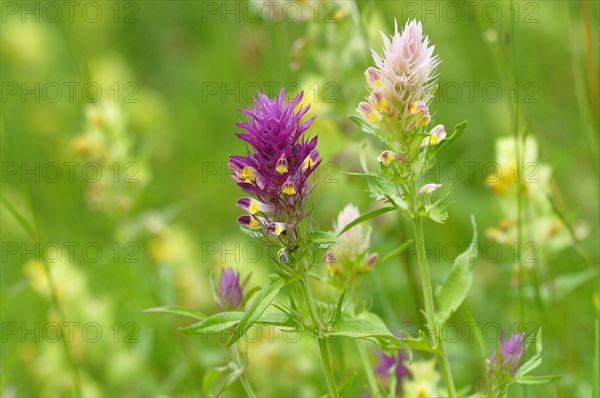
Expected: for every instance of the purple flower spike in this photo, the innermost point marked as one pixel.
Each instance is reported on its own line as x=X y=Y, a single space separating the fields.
x=230 y=291
x=511 y=351
x=279 y=161
x=386 y=363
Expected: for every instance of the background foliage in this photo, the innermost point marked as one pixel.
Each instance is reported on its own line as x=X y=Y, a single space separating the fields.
x=190 y=66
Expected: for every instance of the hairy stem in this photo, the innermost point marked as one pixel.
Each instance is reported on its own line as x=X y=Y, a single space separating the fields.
x=430 y=308
x=331 y=385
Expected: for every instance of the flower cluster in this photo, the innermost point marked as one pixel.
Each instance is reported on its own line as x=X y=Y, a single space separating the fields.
x=346 y=264
x=276 y=172
x=401 y=84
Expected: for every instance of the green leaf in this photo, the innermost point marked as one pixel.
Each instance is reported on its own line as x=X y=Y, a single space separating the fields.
x=458 y=131
x=175 y=310
x=456 y=287
x=354 y=173
x=535 y=360
x=415 y=143
x=536 y=379
x=256 y=309
x=368 y=326
x=275 y=319
x=326 y=238
x=231 y=374
x=437 y=210
x=340 y=307
x=225 y=320
x=366 y=217
x=248 y=295
x=364 y=126
x=345 y=382
x=438 y=214
x=214 y=323
x=397 y=251
x=478 y=334
x=246 y=280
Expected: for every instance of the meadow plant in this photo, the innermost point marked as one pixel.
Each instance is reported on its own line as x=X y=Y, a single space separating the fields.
x=275 y=174
x=402 y=84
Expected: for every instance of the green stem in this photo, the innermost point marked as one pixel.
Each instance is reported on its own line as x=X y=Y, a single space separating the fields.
x=446 y=370
x=371 y=379
x=331 y=385
x=243 y=379
x=430 y=308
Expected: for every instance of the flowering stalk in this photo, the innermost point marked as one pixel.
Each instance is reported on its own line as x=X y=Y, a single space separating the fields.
x=401 y=85
x=276 y=174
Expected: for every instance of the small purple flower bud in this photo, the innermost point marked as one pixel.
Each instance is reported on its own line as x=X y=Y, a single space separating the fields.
x=511 y=351
x=282 y=255
x=371 y=260
x=230 y=291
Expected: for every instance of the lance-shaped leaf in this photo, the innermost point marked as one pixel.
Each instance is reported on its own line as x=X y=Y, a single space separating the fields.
x=215 y=323
x=227 y=374
x=535 y=360
x=397 y=251
x=257 y=308
x=458 y=131
x=364 y=126
x=368 y=326
x=175 y=310
x=366 y=217
x=325 y=239
x=537 y=379
x=453 y=292
x=226 y=320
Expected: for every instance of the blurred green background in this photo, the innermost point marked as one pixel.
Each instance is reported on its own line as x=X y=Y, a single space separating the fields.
x=117 y=122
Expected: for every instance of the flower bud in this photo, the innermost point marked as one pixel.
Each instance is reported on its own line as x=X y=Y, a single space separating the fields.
x=230 y=292
x=428 y=188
